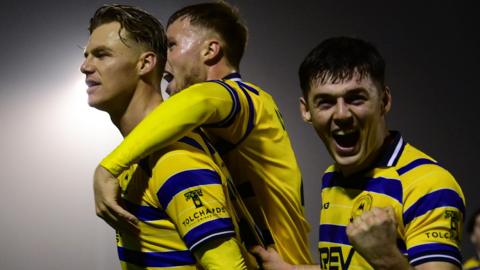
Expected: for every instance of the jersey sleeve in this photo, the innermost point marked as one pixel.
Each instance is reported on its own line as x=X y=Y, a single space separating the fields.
x=228 y=250
x=203 y=103
x=193 y=197
x=434 y=209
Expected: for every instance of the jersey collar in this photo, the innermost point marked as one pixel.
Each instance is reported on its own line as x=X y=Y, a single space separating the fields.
x=392 y=150
x=235 y=76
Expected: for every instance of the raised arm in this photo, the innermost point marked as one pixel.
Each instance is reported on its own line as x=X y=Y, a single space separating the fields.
x=204 y=103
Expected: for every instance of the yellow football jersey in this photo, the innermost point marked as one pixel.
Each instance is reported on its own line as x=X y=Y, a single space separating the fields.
x=178 y=194
x=246 y=127
x=429 y=207
x=472 y=264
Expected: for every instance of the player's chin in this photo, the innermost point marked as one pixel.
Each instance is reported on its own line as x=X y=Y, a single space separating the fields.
x=97 y=104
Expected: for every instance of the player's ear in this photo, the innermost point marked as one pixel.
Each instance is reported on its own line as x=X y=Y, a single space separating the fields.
x=386 y=100
x=212 y=51
x=147 y=63
x=305 y=111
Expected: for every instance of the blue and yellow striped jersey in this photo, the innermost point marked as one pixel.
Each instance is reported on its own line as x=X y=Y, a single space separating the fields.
x=178 y=194
x=429 y=207
x=257 y=150
x=472 y=264
x=246 y=127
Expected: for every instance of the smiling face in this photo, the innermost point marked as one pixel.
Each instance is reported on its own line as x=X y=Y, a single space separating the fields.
x=349 y=117
x=110 y=67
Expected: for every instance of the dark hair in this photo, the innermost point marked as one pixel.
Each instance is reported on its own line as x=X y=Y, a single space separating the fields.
x=339 y=59
x=224 y=20
x=140 y=25
x=472 y=221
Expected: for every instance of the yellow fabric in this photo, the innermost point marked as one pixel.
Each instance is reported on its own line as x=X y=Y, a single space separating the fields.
x=472 y=264
x=225 y=256
x=169 y=122
x=262 y=161
x=428 y=203
x=178 y=194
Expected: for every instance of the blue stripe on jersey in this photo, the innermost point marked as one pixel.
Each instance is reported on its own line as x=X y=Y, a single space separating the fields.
x=414 y=164
x=185 y=180
x=435 y=199
x=333 y=234
x=434 y=252
x=251 y=114
x=248 y=87
x=387 y=186
x=209 y=230
x=143 y=212
x=156 y=259
x=207 y=141
x=191 y=142
x=235 y=106
x=328 y=178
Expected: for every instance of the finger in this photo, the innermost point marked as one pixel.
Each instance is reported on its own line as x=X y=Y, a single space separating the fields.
x=361 y=222
x=260 y=254
x=127 y=227
x=272 y=247
x=123 y=214
x=108 y=217
x=258 y=250
x=391 y=212
x=350 y=230
x=113 y=224
x=125 y=219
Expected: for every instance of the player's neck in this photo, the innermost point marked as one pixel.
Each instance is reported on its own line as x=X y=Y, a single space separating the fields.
x=220 y=70
x=143 y=101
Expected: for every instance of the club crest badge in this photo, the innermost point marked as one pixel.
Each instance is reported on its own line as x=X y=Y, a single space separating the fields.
x=362 y=204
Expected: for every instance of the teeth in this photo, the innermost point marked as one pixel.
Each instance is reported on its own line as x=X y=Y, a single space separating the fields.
x=343 y=132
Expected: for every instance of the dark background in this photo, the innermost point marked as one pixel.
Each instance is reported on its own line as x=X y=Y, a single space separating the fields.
x=51 y=141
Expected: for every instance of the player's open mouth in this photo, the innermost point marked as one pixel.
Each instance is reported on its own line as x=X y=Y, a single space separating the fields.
x=346 y=139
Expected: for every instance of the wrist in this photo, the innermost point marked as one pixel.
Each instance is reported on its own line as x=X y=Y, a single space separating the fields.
x=397 y=261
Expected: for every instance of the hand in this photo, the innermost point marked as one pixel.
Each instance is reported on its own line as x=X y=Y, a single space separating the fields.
x=107 y=202
x=270 y=259
x=373 y=235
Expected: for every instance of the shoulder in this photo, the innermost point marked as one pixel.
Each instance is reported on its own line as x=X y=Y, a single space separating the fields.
x=427 y=185
x=417 y=169
x=189 y=154
x=208 y=86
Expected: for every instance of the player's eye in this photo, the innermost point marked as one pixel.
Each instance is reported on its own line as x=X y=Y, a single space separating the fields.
x=323 y=103
x=167 y=76
x=171 y=44
x=355 y=99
